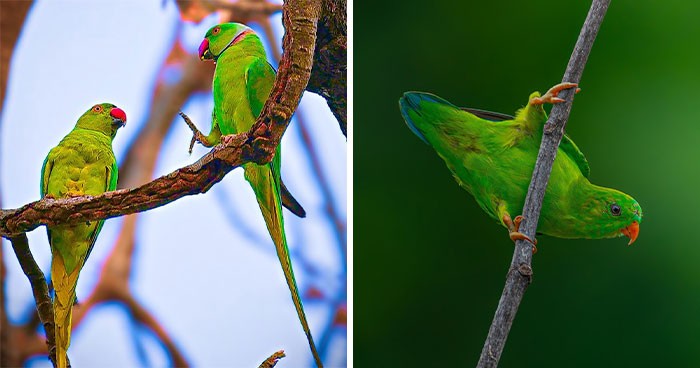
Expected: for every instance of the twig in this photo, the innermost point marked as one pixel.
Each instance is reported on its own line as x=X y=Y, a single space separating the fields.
x=520 y=271
x=273 y=359
x=40 y=288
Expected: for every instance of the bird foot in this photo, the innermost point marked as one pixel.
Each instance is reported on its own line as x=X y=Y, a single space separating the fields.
x=514 y=233
x=551 y=95
x=197 y=136
x=227 y=139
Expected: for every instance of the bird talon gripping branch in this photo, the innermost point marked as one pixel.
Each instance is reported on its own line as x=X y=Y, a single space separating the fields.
x=514 y=231
x=551 y=95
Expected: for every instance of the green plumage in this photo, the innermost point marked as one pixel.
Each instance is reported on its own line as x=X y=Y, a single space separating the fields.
x=83 y=163
x=492 y=156
x=242 y=83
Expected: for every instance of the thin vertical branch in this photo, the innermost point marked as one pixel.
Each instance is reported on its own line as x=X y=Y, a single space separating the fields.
x=40 y=288
x=520 y=271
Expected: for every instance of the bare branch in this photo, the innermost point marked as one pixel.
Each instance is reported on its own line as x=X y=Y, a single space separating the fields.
x=40 y=288
x=520 y=271
x=273 y=359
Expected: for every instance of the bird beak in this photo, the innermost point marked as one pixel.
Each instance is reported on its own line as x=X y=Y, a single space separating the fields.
x=118 y=116
x=631 y=232
x=204 y=52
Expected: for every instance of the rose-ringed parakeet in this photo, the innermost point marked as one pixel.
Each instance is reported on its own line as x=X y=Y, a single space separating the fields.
x=83 y=163
x=492 y=156
x=243 y=79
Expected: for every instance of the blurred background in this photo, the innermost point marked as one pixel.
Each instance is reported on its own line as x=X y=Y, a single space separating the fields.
x=431 y=264
x=196 y=282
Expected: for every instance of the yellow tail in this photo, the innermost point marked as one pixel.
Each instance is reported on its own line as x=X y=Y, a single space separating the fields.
x=64 y=286
x=267 y=192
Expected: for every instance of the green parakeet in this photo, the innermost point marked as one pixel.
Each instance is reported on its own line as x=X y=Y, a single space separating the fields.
x=242 y=83
x=492 y=156
x=83 y=163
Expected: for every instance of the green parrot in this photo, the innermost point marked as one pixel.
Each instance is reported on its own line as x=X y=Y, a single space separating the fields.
x=492 y=156
x=243 y=79
x=83 y=163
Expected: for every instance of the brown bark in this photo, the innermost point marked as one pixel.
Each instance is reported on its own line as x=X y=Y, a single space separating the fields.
x=271 y=362
x=329 y=73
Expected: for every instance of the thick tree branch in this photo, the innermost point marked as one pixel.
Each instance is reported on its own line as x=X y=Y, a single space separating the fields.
x=520 y=271
x=329 y=73
x=300 y=19
x=192 y=179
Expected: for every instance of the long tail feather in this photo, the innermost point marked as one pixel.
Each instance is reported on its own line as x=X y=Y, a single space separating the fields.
x=64 y=286
x=267 y=191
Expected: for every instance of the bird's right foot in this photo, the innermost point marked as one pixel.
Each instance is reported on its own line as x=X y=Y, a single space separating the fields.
x=551 y=95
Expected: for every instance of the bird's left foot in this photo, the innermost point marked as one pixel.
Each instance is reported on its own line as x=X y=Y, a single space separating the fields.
x=551 y=95
x=513 y=230
x=197 y=136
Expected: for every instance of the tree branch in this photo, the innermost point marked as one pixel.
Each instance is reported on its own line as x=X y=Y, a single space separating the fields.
x=520 y=271
x=271 y=362
x=329 y=73
x=300 y=19
x=40 y=288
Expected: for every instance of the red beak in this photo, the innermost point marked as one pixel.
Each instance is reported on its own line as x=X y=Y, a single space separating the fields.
x=204 y=49
x=118 y=114
x=631 y=232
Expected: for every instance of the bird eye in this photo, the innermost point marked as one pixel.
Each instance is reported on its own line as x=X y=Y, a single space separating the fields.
x=97 y=108
x=615 y=210
x=216 y=30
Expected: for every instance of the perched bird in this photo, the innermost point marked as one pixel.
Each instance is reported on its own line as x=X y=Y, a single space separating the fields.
x=83 y=163
x=492 y=156
x=243 y=79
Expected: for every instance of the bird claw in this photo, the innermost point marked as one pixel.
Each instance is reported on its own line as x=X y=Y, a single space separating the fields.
x=551 y=95
x=514 y=233
x=227 y=139
x=197 y=136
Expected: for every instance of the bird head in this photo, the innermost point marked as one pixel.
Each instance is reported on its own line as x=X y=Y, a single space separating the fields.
x=221 y=37
x=621 y=215
x=104 y=117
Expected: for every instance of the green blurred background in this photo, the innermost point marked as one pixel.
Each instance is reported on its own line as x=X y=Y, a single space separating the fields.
x=430 y=265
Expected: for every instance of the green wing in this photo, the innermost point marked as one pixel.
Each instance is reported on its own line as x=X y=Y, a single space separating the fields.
x=567 y=145
x=110 y=185
x=46 y=168
x=571 y=149
x=259 y=78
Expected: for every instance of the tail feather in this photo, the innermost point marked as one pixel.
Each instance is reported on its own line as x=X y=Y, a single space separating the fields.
x=64 y=286
x=267 y=191
x=413 y=102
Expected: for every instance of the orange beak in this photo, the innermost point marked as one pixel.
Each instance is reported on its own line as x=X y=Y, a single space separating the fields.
x=631 y=232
